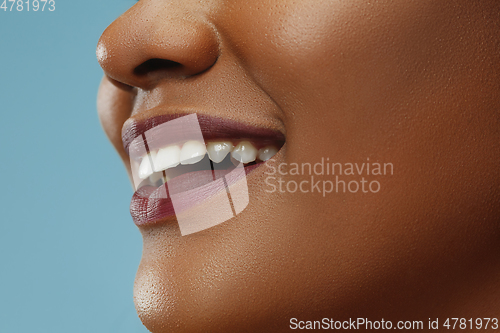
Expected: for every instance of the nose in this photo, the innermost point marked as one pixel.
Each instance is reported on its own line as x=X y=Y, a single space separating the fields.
x=151 y=42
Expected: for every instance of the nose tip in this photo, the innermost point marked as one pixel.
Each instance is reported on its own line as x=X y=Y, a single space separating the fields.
x=142 y=47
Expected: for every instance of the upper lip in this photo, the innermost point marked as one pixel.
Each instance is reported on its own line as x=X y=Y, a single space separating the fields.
x=212 y=128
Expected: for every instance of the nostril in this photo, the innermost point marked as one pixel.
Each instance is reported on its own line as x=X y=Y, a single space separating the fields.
x=153 y=65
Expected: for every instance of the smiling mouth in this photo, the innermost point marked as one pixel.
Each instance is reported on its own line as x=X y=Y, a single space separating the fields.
x=180 y=161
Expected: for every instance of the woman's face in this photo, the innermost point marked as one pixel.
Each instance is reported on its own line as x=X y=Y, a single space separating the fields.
x=410 y=84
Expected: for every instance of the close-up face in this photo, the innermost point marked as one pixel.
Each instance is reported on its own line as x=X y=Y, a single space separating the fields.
x=383 y=198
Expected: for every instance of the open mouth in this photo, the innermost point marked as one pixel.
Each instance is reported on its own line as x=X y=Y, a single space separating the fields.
x=159 y=166
x=181 y=161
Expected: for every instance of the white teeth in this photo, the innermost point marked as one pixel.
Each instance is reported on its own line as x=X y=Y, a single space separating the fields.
x=244 y=152
x=192 y=152
x=217 y=151
x=145 y=169
x=267 y=152
x=168 y=157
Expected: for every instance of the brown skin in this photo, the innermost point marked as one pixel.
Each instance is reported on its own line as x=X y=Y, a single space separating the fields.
x=415 y=83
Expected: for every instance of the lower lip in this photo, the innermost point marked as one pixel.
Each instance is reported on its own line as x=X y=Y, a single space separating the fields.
x=147 y=209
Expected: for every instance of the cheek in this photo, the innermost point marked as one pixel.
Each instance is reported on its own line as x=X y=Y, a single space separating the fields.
x=357 y=76
x=349 y=63
x=410 y=84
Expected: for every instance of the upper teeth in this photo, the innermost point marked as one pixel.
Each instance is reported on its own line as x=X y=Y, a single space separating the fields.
x=194 y=151
x=146 y=169
x=217 y=151
x=244 y=152
x=267 y=152
x=168 y=157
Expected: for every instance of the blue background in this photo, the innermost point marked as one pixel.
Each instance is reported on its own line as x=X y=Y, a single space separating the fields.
x=68 y=247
